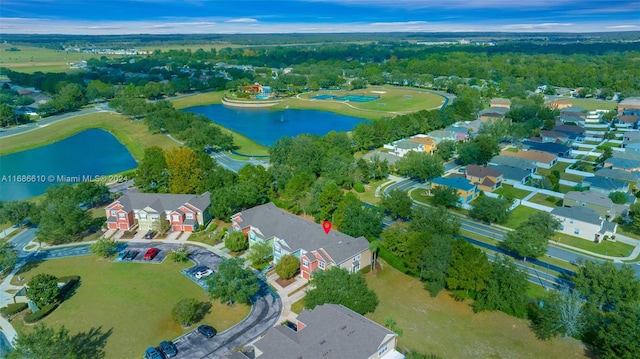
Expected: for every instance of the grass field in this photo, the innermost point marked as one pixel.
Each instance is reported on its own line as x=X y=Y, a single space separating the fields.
x=591 y=104
x=609 y=248
x=31 y=59
x=546 y=200
x=509 y=191
x=134 y=135
x=519 y=215
x=561 y=167
x=392 y=99
x=450 y=329
x=132 y=299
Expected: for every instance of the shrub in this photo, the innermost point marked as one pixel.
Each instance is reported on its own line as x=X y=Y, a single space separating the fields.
x=70 y=283
x=46 y=310
x=236 y=241
x=358 y=187
x=393 y=260
x=288 y=266
x=13 y=308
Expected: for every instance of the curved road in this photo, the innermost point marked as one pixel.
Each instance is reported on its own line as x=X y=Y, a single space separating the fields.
x=265 y=310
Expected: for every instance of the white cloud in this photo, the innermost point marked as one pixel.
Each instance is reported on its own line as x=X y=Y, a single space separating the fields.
x=243 y=20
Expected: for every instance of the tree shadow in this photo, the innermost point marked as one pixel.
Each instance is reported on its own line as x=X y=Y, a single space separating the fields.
x=29 y=266
x=91 y=344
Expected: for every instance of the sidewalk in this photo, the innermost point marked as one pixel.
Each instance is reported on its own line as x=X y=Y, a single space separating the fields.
x=286 y=296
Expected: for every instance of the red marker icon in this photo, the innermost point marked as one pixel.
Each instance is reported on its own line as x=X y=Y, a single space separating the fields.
x=327 y=226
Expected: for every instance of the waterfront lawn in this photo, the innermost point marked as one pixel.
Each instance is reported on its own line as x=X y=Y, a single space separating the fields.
x=608 y=248
x=509 y=191
x=133 y=134
x=438 y=325
x=134 y=300
x=199 y=99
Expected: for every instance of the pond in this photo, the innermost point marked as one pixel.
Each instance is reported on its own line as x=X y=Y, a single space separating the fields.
x=85 y=156
x=266 y=126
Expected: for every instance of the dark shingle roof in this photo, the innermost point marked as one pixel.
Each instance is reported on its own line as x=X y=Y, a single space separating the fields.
x=513 y=162
x=605 y=183
x=330 y=332
x=618 y=174
x=163 y=202
x=579 y=213
x=481 y=171
x=549 y=147
x=300 y=233
x=511 y=173
x=591 y=197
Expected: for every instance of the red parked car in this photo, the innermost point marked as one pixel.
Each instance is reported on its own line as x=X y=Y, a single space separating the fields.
x=151 y=253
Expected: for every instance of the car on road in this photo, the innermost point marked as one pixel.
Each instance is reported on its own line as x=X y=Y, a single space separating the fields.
x=150 y=235
x=151 y=253
x=207 y=330
x=168 y=349
x=152 y=353
x=130 y=255
x=203 y=272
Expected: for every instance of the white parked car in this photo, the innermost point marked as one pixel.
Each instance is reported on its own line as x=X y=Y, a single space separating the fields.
x=203 y=273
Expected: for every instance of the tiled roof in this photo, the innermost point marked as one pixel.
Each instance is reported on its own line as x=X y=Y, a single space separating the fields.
x=300 y=233
x=578 y=213
x=330 y=332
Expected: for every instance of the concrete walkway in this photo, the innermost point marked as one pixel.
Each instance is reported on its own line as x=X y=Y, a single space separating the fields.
x=288 y=296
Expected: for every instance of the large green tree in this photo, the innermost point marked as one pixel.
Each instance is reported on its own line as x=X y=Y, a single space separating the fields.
x=15 y=212
x=8 y=255
x=261 y=253
x=445 y=196
x=288 y=266
x=478 y=151
x=44 y=342
x=42 y=289
x=356 y=220
x=233 y=283
x=468 y=271
x=530 y=239
x=604 y=284
x=396 y=204
x=434 y=220
x=189 y=311
x=434 y=263
x=61 y=218
x=619 y=335
x=338 y=286
x=236 y=241
x=152 y=174
x=420 y=165
x=104 y=247
x=506 y=289
x=489 y=209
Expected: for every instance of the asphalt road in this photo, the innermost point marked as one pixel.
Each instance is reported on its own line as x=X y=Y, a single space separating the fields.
x=234 y=165
x=12 y=131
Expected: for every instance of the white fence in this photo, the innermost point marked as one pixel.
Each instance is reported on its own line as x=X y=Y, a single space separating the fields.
x=579 y=173
x=537 y=206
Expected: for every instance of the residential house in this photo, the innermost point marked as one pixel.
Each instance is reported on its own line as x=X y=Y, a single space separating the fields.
x=488 y=179
x=629 y=120
x=401 y=147
x=307 y=240
x=570 y=118
x=185 y=212
x=597 y=201
x=540 y=158
x=574 y=132
x=553 y=136
x=630 y=137
x=517 y=162
x=633 y=178
x=441 y=135
x=512 y=175
x=492 y=114
x=429 y=144
x=549 y=147
x=605 y=185
x=501 y=102
x=573 y=111
x=391 y=158
x=583 y=222
x=625 y=164
x=467 y=191
x=328 y=331
x=628 y=105
x=461 y=132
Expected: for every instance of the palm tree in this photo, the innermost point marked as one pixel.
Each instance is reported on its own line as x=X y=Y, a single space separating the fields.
x=373 y=247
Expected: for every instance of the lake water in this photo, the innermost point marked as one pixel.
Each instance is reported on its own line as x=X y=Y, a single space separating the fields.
x=266 y=126
x=81 y=157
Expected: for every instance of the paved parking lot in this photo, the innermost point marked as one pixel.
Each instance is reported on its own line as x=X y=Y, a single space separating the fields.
x=142 y=248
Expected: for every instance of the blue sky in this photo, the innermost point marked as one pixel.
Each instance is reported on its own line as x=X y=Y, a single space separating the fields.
x=307 y=16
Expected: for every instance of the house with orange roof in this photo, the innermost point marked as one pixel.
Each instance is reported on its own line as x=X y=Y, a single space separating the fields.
x=488 y=179
x=541 y=159
x=430 y=145
x=501 y=102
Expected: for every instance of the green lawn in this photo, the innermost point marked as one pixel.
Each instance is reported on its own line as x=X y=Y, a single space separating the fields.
x=591 y=104
x=369 y=194
x=298 y=306
x=509 y=191
x=134 y=300
x=546 y=200
x=561 y=167
x=450 y=329
x=133 y=134
x=609 y=248
x=519 y=215
x=31 y=59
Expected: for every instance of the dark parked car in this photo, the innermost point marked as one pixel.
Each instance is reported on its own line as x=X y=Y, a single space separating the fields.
x=130 y=255
x=169 y=349
x=152 y=353
x=207 y=331
x=151 y=253
x=150 y=235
